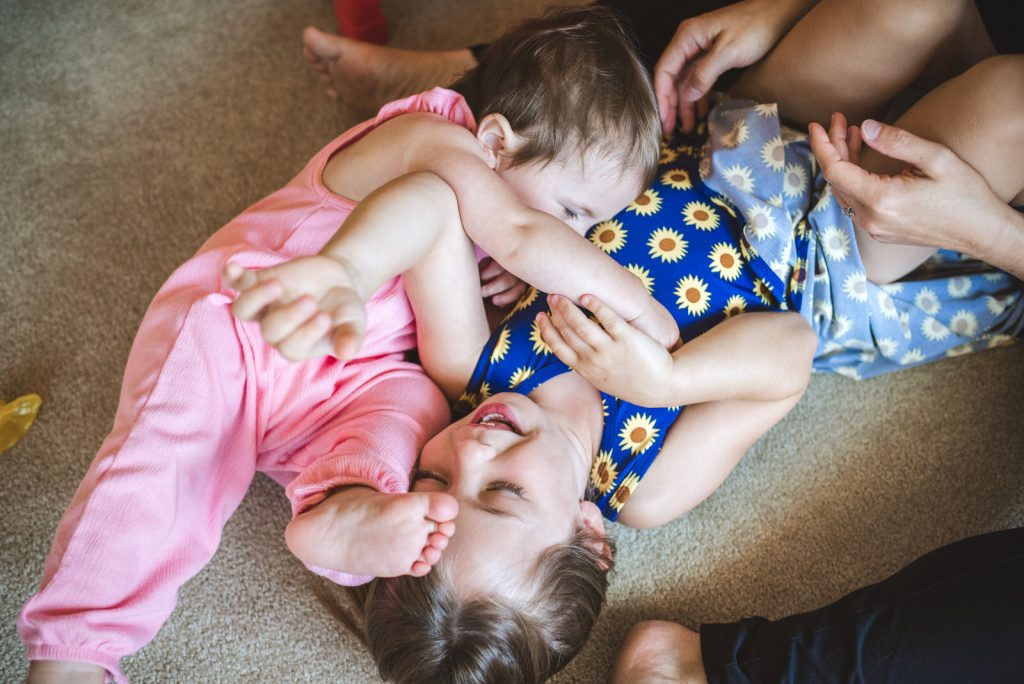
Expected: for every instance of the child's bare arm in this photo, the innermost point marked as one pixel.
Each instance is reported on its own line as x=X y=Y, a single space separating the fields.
x=755 y=356
x=314 y=305
x=702 y=447
x=537 y=247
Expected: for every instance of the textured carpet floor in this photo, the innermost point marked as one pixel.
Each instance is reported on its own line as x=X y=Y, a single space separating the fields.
x=130 y=130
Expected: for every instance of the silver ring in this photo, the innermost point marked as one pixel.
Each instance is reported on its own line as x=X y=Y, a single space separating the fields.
x=849 y=211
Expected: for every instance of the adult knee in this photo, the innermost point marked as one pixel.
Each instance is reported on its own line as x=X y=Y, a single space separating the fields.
x=999 y=81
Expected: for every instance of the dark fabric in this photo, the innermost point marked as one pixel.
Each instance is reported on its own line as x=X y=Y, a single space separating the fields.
x=954 y=615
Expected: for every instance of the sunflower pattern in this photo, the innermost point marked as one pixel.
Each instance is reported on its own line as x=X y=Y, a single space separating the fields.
x=683 y=242
x=801 y=247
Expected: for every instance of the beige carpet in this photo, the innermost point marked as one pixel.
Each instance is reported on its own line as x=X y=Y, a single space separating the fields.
x=131 y=130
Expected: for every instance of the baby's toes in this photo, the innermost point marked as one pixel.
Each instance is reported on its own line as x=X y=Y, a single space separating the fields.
x=442 y=509
x=438 y=541
x=430 y=555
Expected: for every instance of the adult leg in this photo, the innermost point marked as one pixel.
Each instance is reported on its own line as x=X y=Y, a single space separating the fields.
x=855 y=57
x=365 y=76
x=977 y=116
x=955 y=614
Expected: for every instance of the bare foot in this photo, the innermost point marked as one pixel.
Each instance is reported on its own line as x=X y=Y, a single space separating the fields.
x=365 y=76
x=361 y=531
x=658 y=652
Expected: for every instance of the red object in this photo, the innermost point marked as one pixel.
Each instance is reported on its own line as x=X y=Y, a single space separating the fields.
x=362 y=20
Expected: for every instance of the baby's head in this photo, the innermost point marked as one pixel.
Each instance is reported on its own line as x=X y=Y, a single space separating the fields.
x=423 y=630
x=523 y=578
x=564 y=103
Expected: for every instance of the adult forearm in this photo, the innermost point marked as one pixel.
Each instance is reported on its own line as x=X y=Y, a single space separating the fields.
x=757 y=356
x=1000 y=244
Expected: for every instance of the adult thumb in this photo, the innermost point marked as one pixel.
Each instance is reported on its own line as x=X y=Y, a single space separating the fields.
x=901 y=144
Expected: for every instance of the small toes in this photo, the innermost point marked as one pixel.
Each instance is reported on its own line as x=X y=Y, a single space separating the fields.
x=438 y=541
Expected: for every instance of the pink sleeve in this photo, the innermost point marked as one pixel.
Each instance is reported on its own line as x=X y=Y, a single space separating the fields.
x=149 y=513
x=379 y=437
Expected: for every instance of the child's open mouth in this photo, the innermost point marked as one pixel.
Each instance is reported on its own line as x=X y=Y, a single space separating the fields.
x=497 y=416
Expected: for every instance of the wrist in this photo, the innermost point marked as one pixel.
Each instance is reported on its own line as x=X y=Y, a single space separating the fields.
x=353 y=276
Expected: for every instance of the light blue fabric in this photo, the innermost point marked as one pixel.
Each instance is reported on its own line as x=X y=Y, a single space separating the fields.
x=798 y=232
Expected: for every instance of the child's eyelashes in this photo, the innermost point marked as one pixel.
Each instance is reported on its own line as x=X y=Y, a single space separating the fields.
x=570 y=215
x=495 y=486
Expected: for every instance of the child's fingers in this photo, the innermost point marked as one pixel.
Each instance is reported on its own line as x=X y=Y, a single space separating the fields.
x=500 y=283
x=612 y=323
x=249 y=305
x=301 y=344
x=554 y=339
x=489 y=268
x=281 y=321
x=573 y=324
x=237 y=277
x=510 y=296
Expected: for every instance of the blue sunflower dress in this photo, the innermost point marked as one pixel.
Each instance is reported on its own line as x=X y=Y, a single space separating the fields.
x=682 y=240
x=801 y=243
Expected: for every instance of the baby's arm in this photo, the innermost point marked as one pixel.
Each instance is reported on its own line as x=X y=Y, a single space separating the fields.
x=535 y=246
x=759 y=356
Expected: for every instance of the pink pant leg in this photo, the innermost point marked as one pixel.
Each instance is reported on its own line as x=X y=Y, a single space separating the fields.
x=361 y=19
x=149 y=513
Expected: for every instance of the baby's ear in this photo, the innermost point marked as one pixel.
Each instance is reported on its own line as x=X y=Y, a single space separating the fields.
x=497 y=138
x=592 y=520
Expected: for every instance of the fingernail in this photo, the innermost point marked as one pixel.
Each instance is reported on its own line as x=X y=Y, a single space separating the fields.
x=870 y=128
x=692 y=94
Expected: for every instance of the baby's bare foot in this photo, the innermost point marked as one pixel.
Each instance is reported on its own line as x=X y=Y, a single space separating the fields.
x=365 y=76
x=365 y=532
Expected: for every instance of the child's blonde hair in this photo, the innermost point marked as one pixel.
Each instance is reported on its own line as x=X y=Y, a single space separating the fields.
x=421 y=631
x=570 y=81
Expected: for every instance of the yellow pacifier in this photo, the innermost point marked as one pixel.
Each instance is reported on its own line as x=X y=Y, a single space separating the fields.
x=16 y=417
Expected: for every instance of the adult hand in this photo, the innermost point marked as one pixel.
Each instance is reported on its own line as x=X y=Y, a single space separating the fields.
x=706 y=46
x=937 y=199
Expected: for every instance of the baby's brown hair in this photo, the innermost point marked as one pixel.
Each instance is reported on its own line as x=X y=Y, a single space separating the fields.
x=421 y=631
x=569 y=81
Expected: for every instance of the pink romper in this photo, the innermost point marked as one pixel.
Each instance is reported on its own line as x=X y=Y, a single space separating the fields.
x=206 y=403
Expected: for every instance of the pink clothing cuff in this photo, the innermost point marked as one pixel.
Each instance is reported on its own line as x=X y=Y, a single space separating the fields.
x=79 y=654
x=312 y=486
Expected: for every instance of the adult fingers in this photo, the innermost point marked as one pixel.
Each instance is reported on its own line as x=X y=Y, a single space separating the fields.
x=855 y=143
x=848 y=178
x=903 y=145
x=837 y=133
x=686 y=44
x=705 y=72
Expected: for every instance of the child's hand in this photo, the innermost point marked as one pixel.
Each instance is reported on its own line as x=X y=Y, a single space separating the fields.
x=497 y=283
x=307 y=308
x=610 y=353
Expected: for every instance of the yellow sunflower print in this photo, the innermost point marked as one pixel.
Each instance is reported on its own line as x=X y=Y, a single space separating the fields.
x=798 y=278
x=724 y=204
x=692 y=295
x=603 y=472
x=646 y=204
x=609 y=236
x=678 y=179
x=501 y=346
x=763 y=291
x=667 y=245
x=624 y=491
x=737 y=135
x=539 y=345
x=700 y=215
x=725 y=261
x=667 y=155
x=644 y=275
x=735 y=306
x=519 y=376
x=638 y=433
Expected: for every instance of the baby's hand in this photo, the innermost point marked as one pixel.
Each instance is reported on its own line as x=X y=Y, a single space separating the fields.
x=307 y=308
x=610 y=353
x=497 y=283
